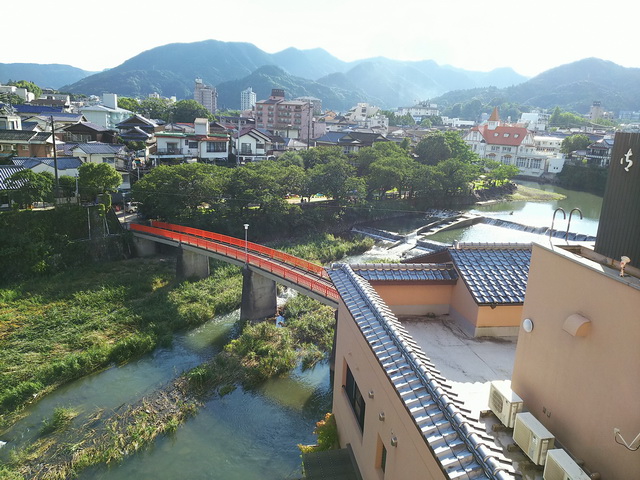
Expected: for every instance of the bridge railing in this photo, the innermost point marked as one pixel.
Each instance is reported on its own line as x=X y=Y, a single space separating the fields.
x=321 y=288
x=254 y=247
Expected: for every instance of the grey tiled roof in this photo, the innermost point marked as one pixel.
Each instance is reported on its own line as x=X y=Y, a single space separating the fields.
x=98 y=148
x=494 y=275
x=406 y=271
x=457 y=442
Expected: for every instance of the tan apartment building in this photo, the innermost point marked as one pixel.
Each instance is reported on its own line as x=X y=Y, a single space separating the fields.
x=287 y=118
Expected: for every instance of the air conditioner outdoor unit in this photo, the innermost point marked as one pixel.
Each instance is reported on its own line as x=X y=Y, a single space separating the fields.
x=504 y=403
x=532 y=437
x=560 y=466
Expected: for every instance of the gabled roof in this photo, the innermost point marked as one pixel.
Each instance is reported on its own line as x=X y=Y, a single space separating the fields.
x=136 y=120
x=254 y=132
x=331 y=137
x=495 y=275
x=5 y=172
x=61 y=117
x=64 y=163
x=428 y=398
x=36 y=109
x=80 y=126
x=24 y=136
x=99 y=148
x=406 y=272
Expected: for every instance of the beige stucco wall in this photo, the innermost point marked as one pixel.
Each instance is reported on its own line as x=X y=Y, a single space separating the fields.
x=581 y=388
x=411 y=458
x=415 y=299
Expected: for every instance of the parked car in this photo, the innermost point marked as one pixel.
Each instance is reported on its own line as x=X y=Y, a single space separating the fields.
x=131 y=207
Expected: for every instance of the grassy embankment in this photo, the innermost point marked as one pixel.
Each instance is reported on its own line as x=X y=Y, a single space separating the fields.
x=529 y=194
x=79 y=322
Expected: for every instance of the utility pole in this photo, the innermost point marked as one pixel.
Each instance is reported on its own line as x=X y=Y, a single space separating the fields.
x=56 y=187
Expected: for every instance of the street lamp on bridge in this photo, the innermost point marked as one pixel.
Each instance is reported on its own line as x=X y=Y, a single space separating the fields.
x=246 y=243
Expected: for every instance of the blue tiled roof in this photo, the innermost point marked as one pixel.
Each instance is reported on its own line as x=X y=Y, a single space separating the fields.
x=494 y=275
x=5 y=172
x=457 y=442
x=36 y=109
x=403 y=272
x=64 y=163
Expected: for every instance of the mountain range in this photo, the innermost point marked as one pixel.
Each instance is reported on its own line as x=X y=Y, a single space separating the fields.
x=170 y=70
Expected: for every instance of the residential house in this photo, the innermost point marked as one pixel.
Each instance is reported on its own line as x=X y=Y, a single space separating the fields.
x=23 y=93
x=137 y=129
x=26 y=110
x=9 y=119
x=67 y=166
x=599 y=152
x=252 y=145
x=184 y=146
x=60 y=120
x=26 y=143
x=507 y=144
x=108 y=114
x=350 y=142
x=287 y=118
x=535 y=121
x=85 y=132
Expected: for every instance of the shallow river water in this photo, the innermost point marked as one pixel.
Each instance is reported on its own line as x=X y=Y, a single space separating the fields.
x=251 y=434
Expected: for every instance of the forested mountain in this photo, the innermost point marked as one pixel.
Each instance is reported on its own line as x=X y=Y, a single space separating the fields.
x=233 y=66
x=45 y=76
x=572 y=87
x=171 y=70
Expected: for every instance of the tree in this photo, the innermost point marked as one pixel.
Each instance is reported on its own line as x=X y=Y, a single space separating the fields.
x=129 y=103
x=331 y=178
x=456 y=175
x=501 y=173
x=189 y=110
x=29 y=187
x=170 y=192
x=433 y=149
x=158 y=108
x=30 y=86
x=575 y=142
x=315 y=156
x=97 y=178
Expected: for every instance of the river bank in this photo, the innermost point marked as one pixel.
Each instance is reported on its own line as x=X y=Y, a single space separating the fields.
x=160 y=412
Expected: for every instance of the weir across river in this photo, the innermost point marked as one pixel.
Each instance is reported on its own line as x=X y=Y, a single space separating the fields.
x=262 y=267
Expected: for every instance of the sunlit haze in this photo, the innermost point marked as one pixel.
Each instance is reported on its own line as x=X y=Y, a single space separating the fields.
x=528 y=37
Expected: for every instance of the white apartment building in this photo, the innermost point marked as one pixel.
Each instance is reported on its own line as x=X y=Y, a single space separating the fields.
x=420 y=111
x=536 y=121
x=247 y=99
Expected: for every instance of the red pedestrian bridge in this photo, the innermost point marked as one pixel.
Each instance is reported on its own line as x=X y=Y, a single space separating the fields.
x=263 y=267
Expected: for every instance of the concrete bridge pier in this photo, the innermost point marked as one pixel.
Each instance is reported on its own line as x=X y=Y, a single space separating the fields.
x=258 y=296
x=191 y=265
x=144 y=248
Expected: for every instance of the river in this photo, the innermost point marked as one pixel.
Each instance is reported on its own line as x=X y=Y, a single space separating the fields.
x=253 y=434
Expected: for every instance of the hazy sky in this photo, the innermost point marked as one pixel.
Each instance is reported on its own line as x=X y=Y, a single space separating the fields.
x=530 y=37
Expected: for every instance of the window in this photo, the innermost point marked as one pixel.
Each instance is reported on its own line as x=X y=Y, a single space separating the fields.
x=381 y=456
x=355 y=398
x=25 y=147
x=193 y=144
x=218 y=146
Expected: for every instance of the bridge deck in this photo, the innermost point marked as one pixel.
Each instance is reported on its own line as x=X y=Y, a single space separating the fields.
x=279 y=266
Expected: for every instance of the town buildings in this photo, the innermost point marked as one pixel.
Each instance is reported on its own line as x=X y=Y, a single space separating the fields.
x=247 y=99
x=510 y=145
x=287 y=118
x=206 y=95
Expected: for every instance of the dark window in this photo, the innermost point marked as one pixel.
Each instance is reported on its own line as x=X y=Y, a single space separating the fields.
x=383 y=458
x=355 y=398
x=216 y=147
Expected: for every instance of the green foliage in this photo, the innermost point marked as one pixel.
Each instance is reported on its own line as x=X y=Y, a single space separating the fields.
x=97 y=178
x=566 y=119
x=189 y=110
x=327 y=433
x=60 y=420
x=587 y=178
x=30 y=86
x=29 y=187
x=158 y=108
x=575 y=142
x=129 y=103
